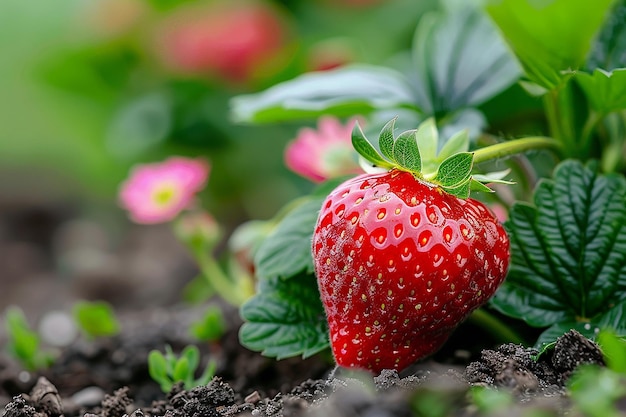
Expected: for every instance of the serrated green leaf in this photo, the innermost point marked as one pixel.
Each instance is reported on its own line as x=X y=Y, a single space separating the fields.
x=448 y=76
x=287 y=250
x=550 y=38
x=386 y=139
x=568 y=252
x=406 y=152
x=285 y=318
x=350 y=90
x=366 y=149
x=455 y=170
x=459 y=142
x=606 y=91
x=427 y=138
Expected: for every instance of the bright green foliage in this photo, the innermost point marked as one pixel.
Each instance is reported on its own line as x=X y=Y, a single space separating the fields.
x=614 y=351
x=551 y=38
x=211 y=326
x=169 y=369
x=595 y=391
x=605 y=90
x=568 y=264
x=23 y=343
x=95 y=319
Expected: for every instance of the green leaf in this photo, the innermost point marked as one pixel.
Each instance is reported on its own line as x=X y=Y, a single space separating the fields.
x=550 y=38
x=568 y=252
x=386 y=138
x=287 y=250
x=181 y=370
x=406 y=152
x=95 y=319
x=355 y=89
x=157 y=366
x=366 y=149
x=445 y=50
x=455 y=170
x=192 y=354
x=606 y=91
x=285 y=318
x=609 y=49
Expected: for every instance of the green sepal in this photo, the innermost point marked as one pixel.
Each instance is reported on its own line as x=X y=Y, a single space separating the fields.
x=427 y=139
x=461 y=190
x=406 y=153
x=366 y=150
x=495 y=177
x=455 y=170
x=386 y=139
x=479 y=186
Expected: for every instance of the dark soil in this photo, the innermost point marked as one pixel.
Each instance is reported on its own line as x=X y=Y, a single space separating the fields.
x=42 y=254
x=109 y=378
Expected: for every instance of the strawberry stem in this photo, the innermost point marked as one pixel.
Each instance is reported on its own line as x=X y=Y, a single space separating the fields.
x=516 y=146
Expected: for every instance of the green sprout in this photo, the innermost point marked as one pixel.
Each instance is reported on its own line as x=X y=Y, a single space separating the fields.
x=24 y=343
x=95 y=319
x=168 y=369
x=210 y=327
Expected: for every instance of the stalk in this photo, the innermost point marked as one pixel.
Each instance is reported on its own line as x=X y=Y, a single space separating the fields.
x=500 y=331
x=513 y=147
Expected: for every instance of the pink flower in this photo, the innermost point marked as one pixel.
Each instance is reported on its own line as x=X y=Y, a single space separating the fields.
x=157 y=192
x=231 y=39
x=323 y=153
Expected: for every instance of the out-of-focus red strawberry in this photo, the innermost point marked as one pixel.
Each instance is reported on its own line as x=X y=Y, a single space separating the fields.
x=233 y=40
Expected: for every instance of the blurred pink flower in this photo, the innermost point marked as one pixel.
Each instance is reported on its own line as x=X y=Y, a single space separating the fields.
x=157 y=192
x=323 y=153
x=230 y=39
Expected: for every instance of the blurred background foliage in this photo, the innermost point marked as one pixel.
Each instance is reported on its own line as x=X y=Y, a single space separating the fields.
x=90 y=88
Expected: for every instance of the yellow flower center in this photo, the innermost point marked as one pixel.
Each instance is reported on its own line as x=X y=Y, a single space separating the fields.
x=164 y=195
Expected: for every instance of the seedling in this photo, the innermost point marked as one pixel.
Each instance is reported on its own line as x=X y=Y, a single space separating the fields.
x=95 y=319
x=24 y=343
x=210 y=327
x=168 y=369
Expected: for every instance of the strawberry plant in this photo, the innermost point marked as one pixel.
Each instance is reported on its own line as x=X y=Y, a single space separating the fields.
x=392 y=288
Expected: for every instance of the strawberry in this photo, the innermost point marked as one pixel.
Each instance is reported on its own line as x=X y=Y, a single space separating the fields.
x=403 y=256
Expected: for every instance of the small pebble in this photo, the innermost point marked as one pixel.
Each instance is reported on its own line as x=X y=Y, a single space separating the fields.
x=253 y=398
x=57 y=328
x=88 y=397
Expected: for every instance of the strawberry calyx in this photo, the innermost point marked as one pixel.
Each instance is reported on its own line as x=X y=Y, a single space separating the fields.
x=417 y=151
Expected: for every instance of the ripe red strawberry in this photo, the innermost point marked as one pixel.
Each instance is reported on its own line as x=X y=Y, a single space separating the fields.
x=400 y=263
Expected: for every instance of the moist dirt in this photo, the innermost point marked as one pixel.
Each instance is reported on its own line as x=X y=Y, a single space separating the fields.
x=108 y=377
